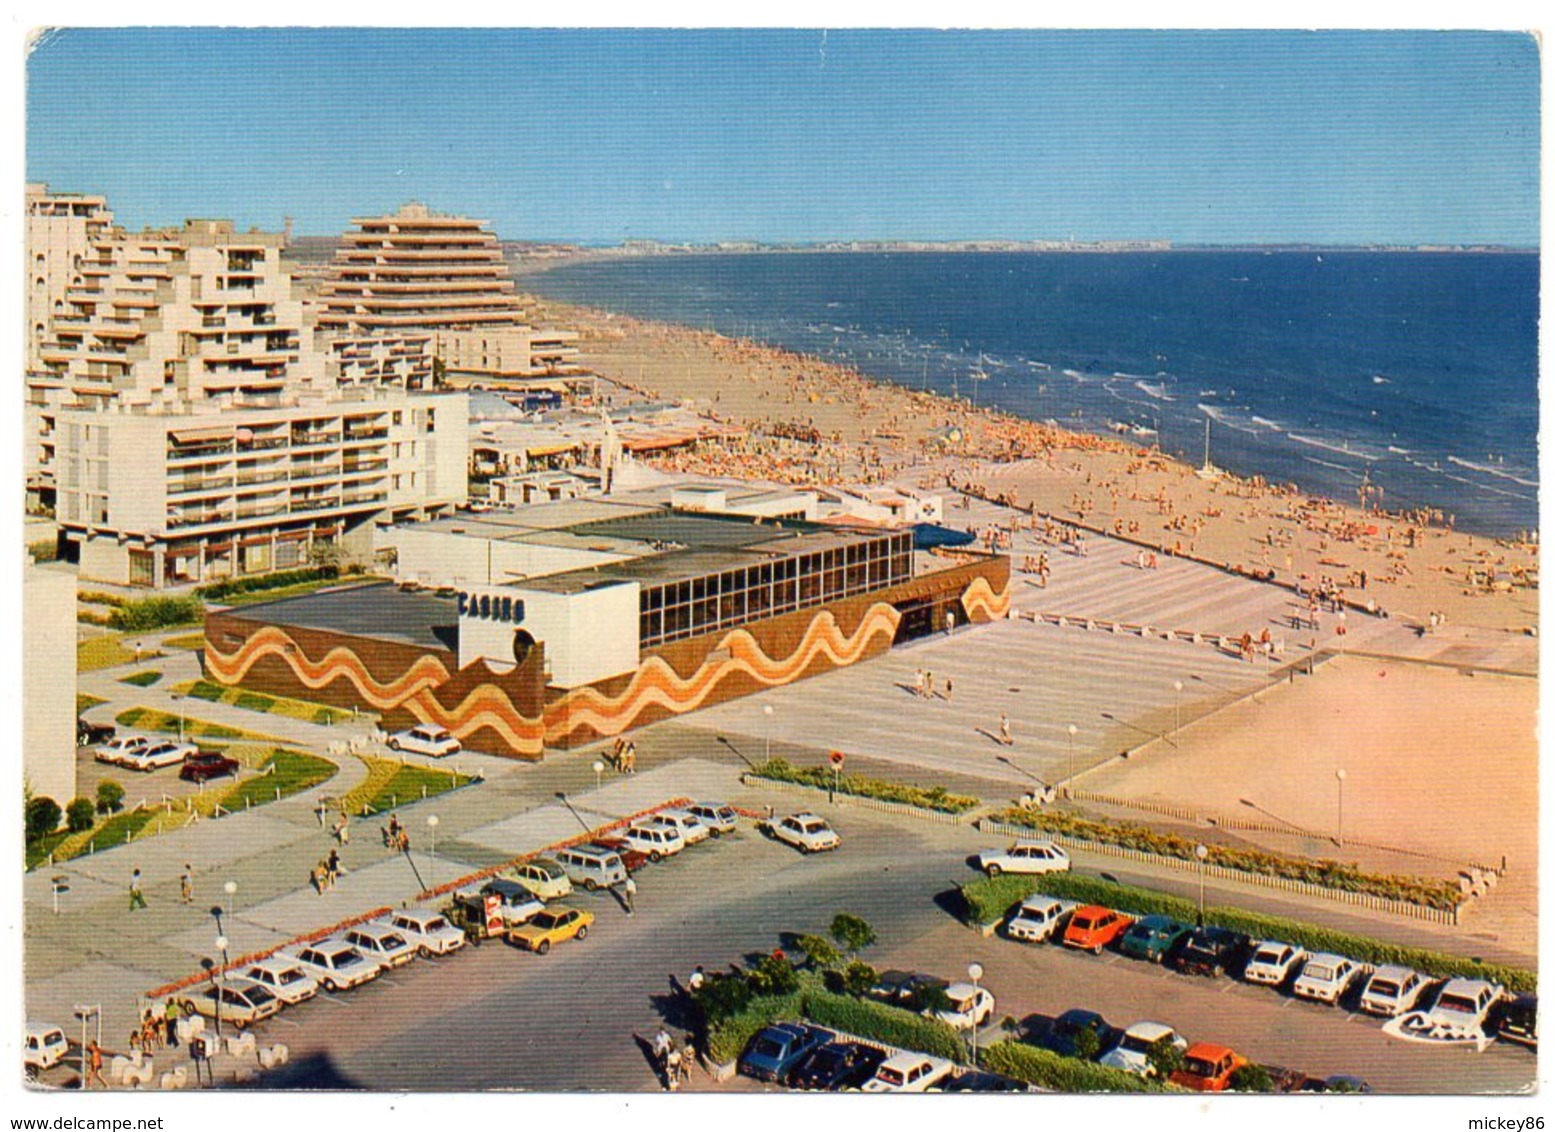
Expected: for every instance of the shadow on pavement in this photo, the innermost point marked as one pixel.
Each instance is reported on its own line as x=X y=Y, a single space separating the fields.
x=315 y=1071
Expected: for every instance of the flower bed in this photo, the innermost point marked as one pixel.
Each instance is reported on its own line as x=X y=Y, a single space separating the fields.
x=1426 y=891
x=909 y=794
x=1143 y=901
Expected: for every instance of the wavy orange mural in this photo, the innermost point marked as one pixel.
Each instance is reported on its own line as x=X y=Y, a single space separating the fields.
x=339 y=663
x=979 y=598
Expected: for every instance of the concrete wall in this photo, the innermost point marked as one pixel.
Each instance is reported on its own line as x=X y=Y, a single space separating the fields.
x=588 y=636
x=49 y=681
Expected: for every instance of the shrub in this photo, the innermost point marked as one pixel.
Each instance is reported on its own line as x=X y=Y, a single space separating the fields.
x=1143 y=901
x=1164 y=1056
x=41 y=817
x=773 y=975
x=819 y=950
x=1251 y=1078
x=97 y=597
x=1047 y=1070
x=1433 y=892
x=156 y=613
x=44 y=550
x=929 y=798
x=110 y=797
x=722 y=997
x=857 y=977
x=851 y=932
x=80 y=815
x=889 y=1025
x=989 y=898
x=259 y=582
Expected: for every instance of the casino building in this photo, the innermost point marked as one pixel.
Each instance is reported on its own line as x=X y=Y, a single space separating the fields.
x=561 y=623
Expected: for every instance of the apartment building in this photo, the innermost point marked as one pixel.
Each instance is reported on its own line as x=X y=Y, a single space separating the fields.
x=152 y=496
x=60 y=228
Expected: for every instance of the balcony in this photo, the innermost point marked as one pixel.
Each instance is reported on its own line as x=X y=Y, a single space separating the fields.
x=252 y=478
x=216 y=452
x=356 y=467
x=312 y=439
x=353 y=498
x=198 y=484
x=319 y=503
x=301 y=472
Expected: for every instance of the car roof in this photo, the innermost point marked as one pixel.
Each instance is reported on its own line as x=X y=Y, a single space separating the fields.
x=1079 y=1014
x=806 y=815
x=1156 y=920
x=1393 y=971
x=239 y=983
x=1149 y=1031
x=711 y=806
x=1044 y=842
x=1329 y=957
x=1461 y=985
x=1274 y=943
x=904 y=1060
x=420 y=915
x=506 y=887
x=960 y=990
x=374 y=928
x=1092 y=910
x=1209 y=1051
x=276 y=962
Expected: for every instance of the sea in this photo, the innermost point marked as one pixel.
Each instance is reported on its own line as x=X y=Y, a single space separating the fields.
x=1409 y=378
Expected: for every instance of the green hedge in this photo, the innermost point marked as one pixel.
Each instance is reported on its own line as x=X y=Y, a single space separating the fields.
x=727 y=1040
x=276 y=581
x=1143 y=901
x=1433 y=892
x=889 y=1025
x=156 y=613
x=1048 y=1070
x=926 y=797
x=989 y=898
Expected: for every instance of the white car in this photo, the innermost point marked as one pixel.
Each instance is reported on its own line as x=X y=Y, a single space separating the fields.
x=243 y=1002
x=969 y=1006
x=544 y=877
x=283 y=978
x=687 y=824
x=335 y=964
x=657 y=841
x=806 y=832
x=1392 y=991
x=908 y=1073
x=43 y=1046
x=1273 y=962
x=379 y=941
x=1132 y=1054
x=1326 y=977
x=519 y=905
x=718 y=817
x=159 y=755
x=1463 y=1006
x=426 y=739
x=1038 y=918
x=428 y=932
x=120 y=747
x=1024 y=857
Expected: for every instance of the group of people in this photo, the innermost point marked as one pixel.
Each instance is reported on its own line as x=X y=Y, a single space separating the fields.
x=623 y=755
x=158 y=1029
x=923 y=686
x=327 y=872
x=395 y=835
x=673 y=1062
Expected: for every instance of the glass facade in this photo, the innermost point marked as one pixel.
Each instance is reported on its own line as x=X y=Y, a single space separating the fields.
x=673 y=611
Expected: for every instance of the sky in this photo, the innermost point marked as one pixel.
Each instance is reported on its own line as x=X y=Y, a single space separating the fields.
x=596 y=135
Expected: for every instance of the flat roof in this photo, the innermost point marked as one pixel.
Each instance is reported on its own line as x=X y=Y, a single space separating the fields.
x=381 y=611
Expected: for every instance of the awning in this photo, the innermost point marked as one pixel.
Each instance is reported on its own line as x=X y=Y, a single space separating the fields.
x=552 y=449
x=198 y=435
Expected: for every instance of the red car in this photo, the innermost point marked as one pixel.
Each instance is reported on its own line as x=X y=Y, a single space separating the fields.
x=1207 y=1068
x=632 y=859
x=207 y=765
x=1093 y=927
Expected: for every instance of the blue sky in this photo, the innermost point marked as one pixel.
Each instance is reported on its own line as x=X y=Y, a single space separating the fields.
x=597 y=135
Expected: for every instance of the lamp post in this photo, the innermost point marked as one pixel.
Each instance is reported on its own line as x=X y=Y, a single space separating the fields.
x=1202 y=853
x=974 y=971
x=599 y=769
x=178 y=708
x=766 y=710
x=1177 y=705
x=221 y=979
x=432 y=838
x=1340 y=776
x=1069 y=784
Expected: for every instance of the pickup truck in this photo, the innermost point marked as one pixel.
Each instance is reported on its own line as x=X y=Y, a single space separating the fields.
x=1038 y=918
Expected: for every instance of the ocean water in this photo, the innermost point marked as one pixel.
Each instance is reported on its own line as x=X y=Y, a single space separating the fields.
x=1415 y=373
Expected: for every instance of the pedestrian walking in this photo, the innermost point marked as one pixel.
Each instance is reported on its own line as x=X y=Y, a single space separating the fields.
x=321 y=811
x=950 y=621
x=186 y=885
x=928 y=684
x=950 y=688
x=672 y=1070
x=343 y=829
x=697 y=980
x=917 y=683
x=1004 y=730
x=629 y=891
x=170 y=1017
x=94 y=1062
x=137 y=898
x=332 y=867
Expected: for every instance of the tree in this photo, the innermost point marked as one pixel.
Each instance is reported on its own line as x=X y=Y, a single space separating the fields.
x=857 y=977
x=1251 y=1078
x=1087 y=1044
x=851 y=933
x=1164 y=1056
x=42 y=817
x=773 y=975
x=722 y=997
x=110 y=797
x=819 y=951
x=80 y=815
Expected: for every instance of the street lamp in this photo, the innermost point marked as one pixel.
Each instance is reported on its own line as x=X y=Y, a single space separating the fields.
x=1202 y=853
x=599 y=769
x=221 y=979
x=1068 y=786
x=179 y=710
x=974 y=971
x=1341 y=776
x=766 y=710
x=432 y=837
x=1177 y=704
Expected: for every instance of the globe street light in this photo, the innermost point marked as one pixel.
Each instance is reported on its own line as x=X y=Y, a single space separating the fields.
x=1341 y=776
x=432 y=837
x=1202 y=853
x=1177 y=704
x=766 y=710
x=221 y=979
x=974 y=972
x=1068 y=786
x=599 y=769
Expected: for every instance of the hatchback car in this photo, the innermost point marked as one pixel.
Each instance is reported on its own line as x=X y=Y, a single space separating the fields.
x=1152 y=938
x=43 y=1046
x=1273 y=963
x=379 y=941
x=1392 y=991
x=243 y=1002
x=552 y=926
x=718 y=817
x=806 y=832
x=1038 y=918
x=207 y=765
x=1207 y=1068
x=1079 y=1033
x=335 y=964
x=429 y=932
x=1327 y=978
x=1024 y=857
x=283 y=978
x=1213 y=952
x=1093 y=927
x=837 y=1065
x=426 y=739
x=1132 y=1053
x=544 y=877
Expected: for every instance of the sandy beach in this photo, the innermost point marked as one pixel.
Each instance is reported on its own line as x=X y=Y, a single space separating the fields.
x=815 y=423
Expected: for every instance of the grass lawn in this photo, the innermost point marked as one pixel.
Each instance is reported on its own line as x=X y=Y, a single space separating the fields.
x=148 y=719
x=142 y=679
x=85 y=703
x=38 y=851
x=190 y=641
x=254 y=597
x=107 y=651
x=304 y=710
x=293 y=773
x=405 y=784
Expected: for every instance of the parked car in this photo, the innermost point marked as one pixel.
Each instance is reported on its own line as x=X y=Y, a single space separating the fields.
x=981 y=1081
x=335 y=964
x=592 y=866
x=1207 y=1068
x=380 y=942
x=1024 y=857
x=837 y=1065
x=1093 y=927
x=429 y=932
x=806 y=832
x=656 y=841
x=1065 y=1035
x=43 y=1046
x=683 y=822
x=776 y=1051
x=908 y=1073
x=1517 y=1020
x=518 y=903
x=1463 y=1006
x=1132 y=1053
x=718 y=817
x=544 y=877
x=1327 y=977
x=969 y=1007
x=1336 y=1083
x=552 y=926
x=1273 y=963
x=283 y=978
x=159 y=755
x=119 y=748
x=1152 y=937
x=631 y=859
x=908 y=989
x=243 y=1002
x=426 y=739
x=1038 y=918
x=1392 y=991
x=1213 y=952
x=206 y=765
x=91 y=734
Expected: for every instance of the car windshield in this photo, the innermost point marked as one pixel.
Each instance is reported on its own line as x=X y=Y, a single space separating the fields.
x=1199 y=1067
x=343 y=959
x=258 y=995
x=1136 y=1044
x=891 y=1077
x=1274 y=955
x=1385 y=988
x=813 y=826
x=1083 y=923
x=546 y=919
x=1458 y=1004
x=289 y=976
x=435 y=924
x=767 y=1047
